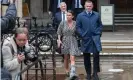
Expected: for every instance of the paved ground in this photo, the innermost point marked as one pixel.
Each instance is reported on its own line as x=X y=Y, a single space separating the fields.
x=112 y=68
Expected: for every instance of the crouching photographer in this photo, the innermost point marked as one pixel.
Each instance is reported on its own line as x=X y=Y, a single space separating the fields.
x=15 y=51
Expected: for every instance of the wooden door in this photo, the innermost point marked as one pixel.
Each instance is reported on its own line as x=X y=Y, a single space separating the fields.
x=130 y=6
x=123 y=6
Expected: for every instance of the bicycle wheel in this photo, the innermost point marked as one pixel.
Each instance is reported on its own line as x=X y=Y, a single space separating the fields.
x=45 y=42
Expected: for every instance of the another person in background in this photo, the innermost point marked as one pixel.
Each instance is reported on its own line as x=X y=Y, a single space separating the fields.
x=61 y=15
x=54 y=6
x=89 y=27
x=69 y=44
x=8 y=21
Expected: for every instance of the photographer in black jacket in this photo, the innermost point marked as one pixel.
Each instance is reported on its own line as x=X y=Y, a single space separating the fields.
x=8 y=20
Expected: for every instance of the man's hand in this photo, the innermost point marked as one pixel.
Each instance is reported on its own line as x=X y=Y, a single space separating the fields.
x=12 y=1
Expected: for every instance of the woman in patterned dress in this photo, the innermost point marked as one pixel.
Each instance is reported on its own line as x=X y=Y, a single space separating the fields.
x=69 y=46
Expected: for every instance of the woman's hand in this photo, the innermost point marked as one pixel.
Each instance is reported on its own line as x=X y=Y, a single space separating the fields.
x=59 y=42
x=20 y=57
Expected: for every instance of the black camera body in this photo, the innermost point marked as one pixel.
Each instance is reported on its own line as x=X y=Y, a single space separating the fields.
x=28 y=54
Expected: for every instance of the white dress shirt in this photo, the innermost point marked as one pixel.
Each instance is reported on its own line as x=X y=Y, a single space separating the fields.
x=65 y=16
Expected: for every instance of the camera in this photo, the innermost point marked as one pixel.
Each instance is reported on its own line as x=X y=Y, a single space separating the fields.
x=30 y=56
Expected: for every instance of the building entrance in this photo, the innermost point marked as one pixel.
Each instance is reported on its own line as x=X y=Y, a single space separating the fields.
x=123 y=6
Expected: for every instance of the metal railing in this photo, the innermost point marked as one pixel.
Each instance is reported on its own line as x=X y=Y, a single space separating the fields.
x=28 y=67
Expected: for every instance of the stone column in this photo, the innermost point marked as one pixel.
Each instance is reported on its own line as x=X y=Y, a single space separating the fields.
x=36 y=8
x=19 y=8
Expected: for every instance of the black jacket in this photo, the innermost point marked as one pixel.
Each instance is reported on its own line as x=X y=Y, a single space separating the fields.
x=8 y=21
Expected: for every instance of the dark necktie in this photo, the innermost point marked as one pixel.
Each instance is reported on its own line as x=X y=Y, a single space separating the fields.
x=63 y=16
x=89 y=13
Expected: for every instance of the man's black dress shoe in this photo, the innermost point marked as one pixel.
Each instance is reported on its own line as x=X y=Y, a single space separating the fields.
x=88 y=77
x=95 y=77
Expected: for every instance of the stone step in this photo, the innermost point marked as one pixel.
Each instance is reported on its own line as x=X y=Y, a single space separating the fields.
x=123 y=17
x=123 y=21
x=117 y=41
x=50 y=77
x=117 y=49
x=115 y=46
x=123 y=24
x=123 y=14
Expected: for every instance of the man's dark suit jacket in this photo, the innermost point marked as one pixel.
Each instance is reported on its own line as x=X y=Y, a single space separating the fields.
x=53 y=6
x=57 y=19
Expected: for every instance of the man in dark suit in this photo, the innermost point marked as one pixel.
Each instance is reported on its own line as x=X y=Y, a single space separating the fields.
x=61 y=15
x=89 y=27
x=54 y=6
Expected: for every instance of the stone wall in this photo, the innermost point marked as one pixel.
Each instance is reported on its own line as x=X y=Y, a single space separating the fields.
x=36 y=8
x=19 y=8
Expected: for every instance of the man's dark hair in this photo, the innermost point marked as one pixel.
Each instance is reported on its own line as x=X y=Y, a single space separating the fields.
x=88 y=1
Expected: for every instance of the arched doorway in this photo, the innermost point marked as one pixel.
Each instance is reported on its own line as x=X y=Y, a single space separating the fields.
x=123 y=6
